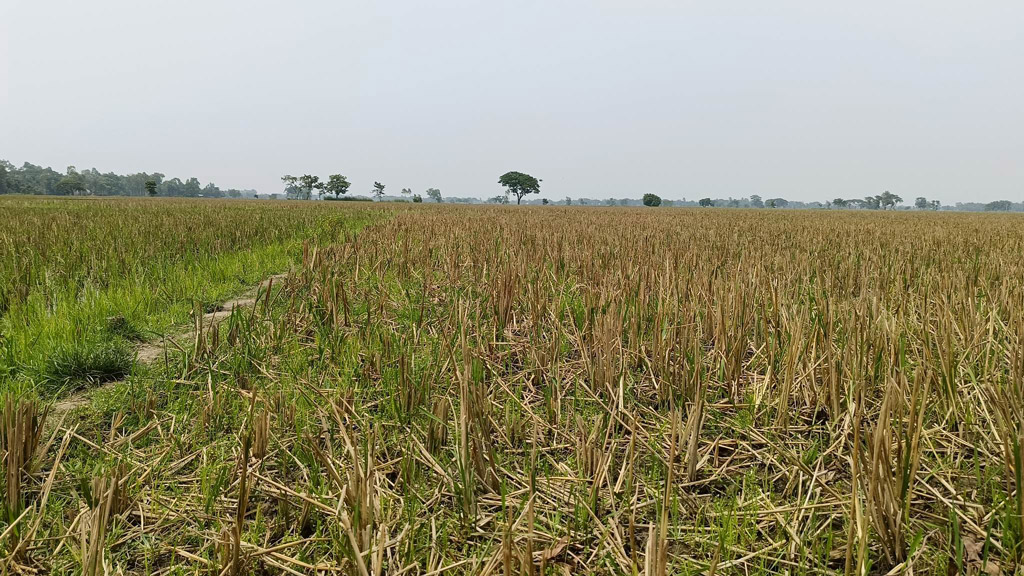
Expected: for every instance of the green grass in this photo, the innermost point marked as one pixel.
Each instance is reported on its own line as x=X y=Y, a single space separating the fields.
x=68 y=319
x=88 y=362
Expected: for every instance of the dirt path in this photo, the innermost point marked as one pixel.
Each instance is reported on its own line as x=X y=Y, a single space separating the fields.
x=150 y=352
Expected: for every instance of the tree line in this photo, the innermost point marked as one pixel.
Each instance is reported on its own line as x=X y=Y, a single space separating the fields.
x=33 y=179
x=337 y=185
x=517 y=184
x=884 y=201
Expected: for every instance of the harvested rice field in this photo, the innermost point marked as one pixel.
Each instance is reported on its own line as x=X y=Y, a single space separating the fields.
x=442 y=389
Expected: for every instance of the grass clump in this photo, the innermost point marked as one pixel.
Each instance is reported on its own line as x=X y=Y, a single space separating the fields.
x=81 y=362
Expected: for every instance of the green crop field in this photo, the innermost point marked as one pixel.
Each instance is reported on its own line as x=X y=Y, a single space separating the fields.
x=440 y=389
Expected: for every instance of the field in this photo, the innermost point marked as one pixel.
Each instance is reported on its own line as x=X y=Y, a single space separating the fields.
x=67 y=268
x=440 y=389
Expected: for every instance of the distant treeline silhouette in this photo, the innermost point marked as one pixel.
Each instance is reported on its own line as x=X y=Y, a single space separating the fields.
x=32 y=179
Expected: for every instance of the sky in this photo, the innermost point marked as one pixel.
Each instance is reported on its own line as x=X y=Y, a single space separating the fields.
x=802 y=100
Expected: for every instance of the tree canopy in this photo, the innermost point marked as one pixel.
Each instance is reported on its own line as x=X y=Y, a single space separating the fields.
x=519 y=184
x=307 y=183
x=336 y=184
x=999 y=206
x=650 y=200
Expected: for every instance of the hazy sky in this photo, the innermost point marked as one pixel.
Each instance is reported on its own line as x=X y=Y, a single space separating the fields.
x=807 y=100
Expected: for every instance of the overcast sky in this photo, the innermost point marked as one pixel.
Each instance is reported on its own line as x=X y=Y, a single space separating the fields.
x=806 y=100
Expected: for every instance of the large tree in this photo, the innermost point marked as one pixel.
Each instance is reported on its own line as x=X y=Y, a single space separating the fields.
x=652 y=200
x=71 y=185
x=888 y=200
x=192 y=187
x=434 y=194
x=519 y=184
x=291 y=186
x=307 y=183
x=337 y=184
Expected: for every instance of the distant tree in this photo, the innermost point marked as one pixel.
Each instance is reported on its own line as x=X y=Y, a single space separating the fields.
x=434 y=194
x=417 y=198
x=336 y=184
x=292 y=189
x=624 y=202
x=610 y=202
x=921 y=203
x=568 y=201
x=192 y=188
x=211 y=190
x=872 y=202
x=755 y=201
x=544 y=201
x=519 y=184
x=406 y=191
x=776 y=203
x=378 y=190
x=173 y=187
x=71 y=185
x=499 y=199
x=934 y=205
x=733 y=203
x=232 y=193
x=888 y=200
x=705 y=202
x=151 y=187
x=652 y=200
x=999 y=206
x=840 y=203
x=307 y=183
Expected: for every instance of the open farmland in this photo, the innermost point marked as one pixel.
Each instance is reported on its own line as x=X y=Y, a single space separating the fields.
x=503 y=390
